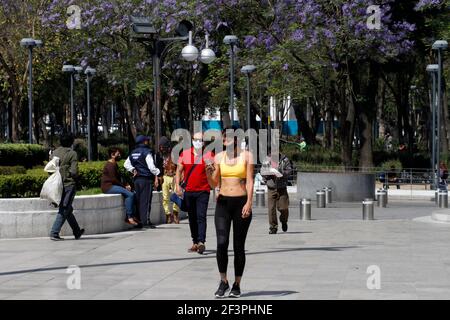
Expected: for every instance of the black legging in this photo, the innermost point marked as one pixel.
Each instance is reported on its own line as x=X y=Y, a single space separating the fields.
x=230 y=209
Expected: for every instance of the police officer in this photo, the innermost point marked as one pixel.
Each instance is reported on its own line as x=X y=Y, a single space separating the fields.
x=141 y=164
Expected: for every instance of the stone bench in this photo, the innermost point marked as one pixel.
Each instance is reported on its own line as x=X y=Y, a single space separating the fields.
x=34 y=217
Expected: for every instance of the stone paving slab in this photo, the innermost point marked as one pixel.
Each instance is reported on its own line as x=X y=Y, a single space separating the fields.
x=326 y=258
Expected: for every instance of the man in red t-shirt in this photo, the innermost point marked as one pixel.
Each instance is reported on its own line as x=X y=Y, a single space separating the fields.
x=191 y=164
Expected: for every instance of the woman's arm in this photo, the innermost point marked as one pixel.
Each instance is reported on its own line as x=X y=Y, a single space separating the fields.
x=246 y=211
x=214 y=176
x=250 y=177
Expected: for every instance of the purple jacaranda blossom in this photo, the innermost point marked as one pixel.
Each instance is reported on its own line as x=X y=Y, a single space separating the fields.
x=298 y=35
x=249 y=41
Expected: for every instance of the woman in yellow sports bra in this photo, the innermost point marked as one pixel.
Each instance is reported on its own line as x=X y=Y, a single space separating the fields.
x=233 y=172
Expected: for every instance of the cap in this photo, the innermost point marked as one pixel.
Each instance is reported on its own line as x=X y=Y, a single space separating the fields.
x=141 y=139
x=163 y=141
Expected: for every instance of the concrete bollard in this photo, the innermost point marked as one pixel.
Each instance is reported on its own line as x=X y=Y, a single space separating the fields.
x=328 y=197
x=305 y=209
x=443 y=199
x=260 y=198
x=368 y=209
x=382 y=198
x=320 y=195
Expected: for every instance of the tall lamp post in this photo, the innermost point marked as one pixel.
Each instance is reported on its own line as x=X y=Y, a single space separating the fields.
x=232 y=41
x=143 y=26
x=89 y=72
x=432 y=69
x=72 y=70
x=247 y=70
x=30 y=43
x=439 y=46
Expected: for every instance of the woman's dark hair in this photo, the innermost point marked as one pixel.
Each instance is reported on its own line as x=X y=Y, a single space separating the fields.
x=67 y=140
x=113 y=150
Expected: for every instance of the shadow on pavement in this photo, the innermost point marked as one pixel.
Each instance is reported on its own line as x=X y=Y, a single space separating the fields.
x=197 y=256
x=268 y=293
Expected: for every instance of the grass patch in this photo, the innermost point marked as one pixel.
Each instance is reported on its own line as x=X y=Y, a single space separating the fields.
x=89 y=192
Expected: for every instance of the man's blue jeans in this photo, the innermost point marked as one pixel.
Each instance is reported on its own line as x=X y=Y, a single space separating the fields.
x=197 y=205
x=66 y=212
x=129 y=198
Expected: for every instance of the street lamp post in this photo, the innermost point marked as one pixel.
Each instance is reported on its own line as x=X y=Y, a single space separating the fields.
x=72 y=70
x=433 y=69
x=89 y=72
x=143 y=26
x=232 y=41
x=247 y=70
x=30 y=44
x=439 y=46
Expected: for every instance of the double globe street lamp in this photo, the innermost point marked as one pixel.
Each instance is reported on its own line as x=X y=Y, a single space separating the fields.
x=232 y=41
x=30 y=43
x=248 y=70
x=89 y=72
x=432 y=69
x=143 y=26
x=72 y=71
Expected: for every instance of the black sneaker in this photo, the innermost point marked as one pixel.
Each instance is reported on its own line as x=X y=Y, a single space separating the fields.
x=56 y=238
x=235 y=291
x=78 y=236
x=223 y=288
x=284 y=226
x=273 y=231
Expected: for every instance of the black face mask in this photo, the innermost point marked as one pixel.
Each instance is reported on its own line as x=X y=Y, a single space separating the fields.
x=118 y=158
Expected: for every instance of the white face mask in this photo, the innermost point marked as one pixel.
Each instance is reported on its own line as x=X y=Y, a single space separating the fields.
x=197 y=144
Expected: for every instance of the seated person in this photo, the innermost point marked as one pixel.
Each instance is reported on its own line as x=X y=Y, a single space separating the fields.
x=111 y=184
x=392 y=178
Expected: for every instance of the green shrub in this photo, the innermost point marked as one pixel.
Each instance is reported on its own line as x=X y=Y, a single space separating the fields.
x=386 y=166
x=26 y=155
x=30 y=184
x=103 y=151
x=4 y=171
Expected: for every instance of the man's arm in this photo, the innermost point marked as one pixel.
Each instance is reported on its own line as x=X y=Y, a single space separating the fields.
x=287 y=168
x=74 y=166
x=151 y=165
x=178 y=173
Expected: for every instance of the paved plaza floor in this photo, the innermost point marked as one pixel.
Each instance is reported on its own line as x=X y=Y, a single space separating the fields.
x=325 y=258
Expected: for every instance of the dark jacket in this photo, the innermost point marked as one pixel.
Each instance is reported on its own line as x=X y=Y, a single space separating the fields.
x=110 y=177
x=137 y=159
x=68 y=163
x=284 y=167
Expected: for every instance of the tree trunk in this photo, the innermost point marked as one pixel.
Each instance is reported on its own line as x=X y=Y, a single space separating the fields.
x=129 y=112
x=15 y=111
x=347 y=117
x=380 y=109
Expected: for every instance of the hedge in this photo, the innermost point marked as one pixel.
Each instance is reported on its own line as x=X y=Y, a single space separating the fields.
x=4 y=171
x=26 y=155
x=30 y=184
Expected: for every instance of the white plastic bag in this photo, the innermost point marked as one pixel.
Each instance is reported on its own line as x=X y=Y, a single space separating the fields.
x=53 y=186
x=52 y=165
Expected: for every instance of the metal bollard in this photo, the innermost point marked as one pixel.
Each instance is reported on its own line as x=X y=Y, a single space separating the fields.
x=367 y=206
x=382 y=198
x=436 y=196
x=443 y=199
x=260 y=198
x=327 y=191
x=305 y=209
x=320 y=195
